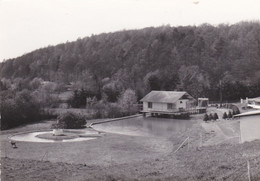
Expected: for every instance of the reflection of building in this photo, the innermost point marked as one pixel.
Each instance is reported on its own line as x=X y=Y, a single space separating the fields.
x=167 y=102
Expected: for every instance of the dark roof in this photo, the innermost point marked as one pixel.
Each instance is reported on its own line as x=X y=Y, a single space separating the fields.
x=165 y=96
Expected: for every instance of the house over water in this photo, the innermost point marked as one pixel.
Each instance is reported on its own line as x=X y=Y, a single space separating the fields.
x=168 y=103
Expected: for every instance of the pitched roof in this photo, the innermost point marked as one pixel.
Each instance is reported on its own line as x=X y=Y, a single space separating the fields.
x=165 y=96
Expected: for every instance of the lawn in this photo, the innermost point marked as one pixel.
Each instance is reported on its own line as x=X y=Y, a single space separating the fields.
x=114 y=156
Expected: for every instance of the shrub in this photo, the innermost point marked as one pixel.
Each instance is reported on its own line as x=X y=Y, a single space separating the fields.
x=127 y=102
x=215 y=116
x=70 y=121
x=235 y=110
x=78 y=100
x=20 y=109
x=230 y=114
x=206 y=117
x=225 y=115
x=210 y=116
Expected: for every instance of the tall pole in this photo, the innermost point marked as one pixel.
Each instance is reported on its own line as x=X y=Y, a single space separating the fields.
x=220 y=92
x=248 y=170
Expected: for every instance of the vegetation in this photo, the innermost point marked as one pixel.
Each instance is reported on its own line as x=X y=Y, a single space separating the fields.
x=210 y=116
x=206 y=118
x=125 y=106
x=215 y=116
x=229 y=114
x=225 y=116
x=70 y=121
x=110 y=72
x=19 y=109
x=201 y=60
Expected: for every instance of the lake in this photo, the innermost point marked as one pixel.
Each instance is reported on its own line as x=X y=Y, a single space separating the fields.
x=149 y=126
x=250 y=128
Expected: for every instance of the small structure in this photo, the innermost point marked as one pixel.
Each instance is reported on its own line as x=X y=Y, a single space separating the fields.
x=168 y=103
x=203 y=102
x=57 y=132
x=251 y=102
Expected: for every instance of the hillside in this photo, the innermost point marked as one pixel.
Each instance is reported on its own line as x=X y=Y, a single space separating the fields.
x=201 y=60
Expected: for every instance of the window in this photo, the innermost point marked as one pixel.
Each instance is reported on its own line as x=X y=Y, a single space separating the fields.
x=169 y=106
x=150 y=105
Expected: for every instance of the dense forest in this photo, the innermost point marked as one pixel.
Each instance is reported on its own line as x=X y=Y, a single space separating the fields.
x=202 y=60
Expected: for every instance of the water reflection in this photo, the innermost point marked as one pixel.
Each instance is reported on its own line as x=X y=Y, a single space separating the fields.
x=250 y=128
x=146 y=126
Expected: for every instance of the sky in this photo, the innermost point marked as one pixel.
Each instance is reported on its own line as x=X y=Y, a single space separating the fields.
x=27 y=25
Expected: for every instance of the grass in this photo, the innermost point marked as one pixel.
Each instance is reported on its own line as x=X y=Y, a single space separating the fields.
x=121 y=157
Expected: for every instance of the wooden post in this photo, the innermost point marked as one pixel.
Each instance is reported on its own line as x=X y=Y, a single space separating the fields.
x=188 y=143
x=5 y=150
x=240 y=140
x=248 y=170
x=181 y=145
x=200 y=139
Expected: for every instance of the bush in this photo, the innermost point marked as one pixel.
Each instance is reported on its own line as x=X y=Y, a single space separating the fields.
x=235 y=110
x=210 y=116
x=127 y=102
x=215 y=116
x=79 y=98
x=225 y=115
x=70 y=121
x=206 y=117
x=230 y=115
x=20 y=109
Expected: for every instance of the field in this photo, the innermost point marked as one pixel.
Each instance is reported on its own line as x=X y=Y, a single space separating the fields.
x=213 y=153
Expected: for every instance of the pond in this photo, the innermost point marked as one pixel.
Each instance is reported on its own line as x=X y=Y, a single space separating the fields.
x=250 y=128
x=149 y=126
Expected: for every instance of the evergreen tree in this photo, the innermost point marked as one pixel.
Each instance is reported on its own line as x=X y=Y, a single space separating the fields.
x=215 y=116
x=230 y=114
x=206 y=118
x=210 y=116
x=225 y=115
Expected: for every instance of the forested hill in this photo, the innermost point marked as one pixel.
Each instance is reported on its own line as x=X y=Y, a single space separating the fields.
x=199 y=59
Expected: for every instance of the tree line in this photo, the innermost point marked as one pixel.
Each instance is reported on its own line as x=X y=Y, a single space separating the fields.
x=202 y=60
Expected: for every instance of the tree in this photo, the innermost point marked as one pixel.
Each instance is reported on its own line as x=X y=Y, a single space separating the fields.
x=229 y=114
x=152 y=81
x=225 y=115
x=215 y=116
x=206 y=118
x=20 y=109
x=70 y=121
x=112 y=91
x=210 y=116
x=127 y=102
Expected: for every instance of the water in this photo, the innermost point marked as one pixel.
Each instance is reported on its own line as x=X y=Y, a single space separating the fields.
x=145 y=126
x=250 y=128
x=135 y=127
x=31 y=137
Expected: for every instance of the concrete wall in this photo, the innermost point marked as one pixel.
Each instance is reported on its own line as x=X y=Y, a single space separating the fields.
x=250 y=128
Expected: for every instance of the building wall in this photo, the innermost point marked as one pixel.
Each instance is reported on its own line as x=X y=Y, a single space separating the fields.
x=183 y=103
x=250 y=128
